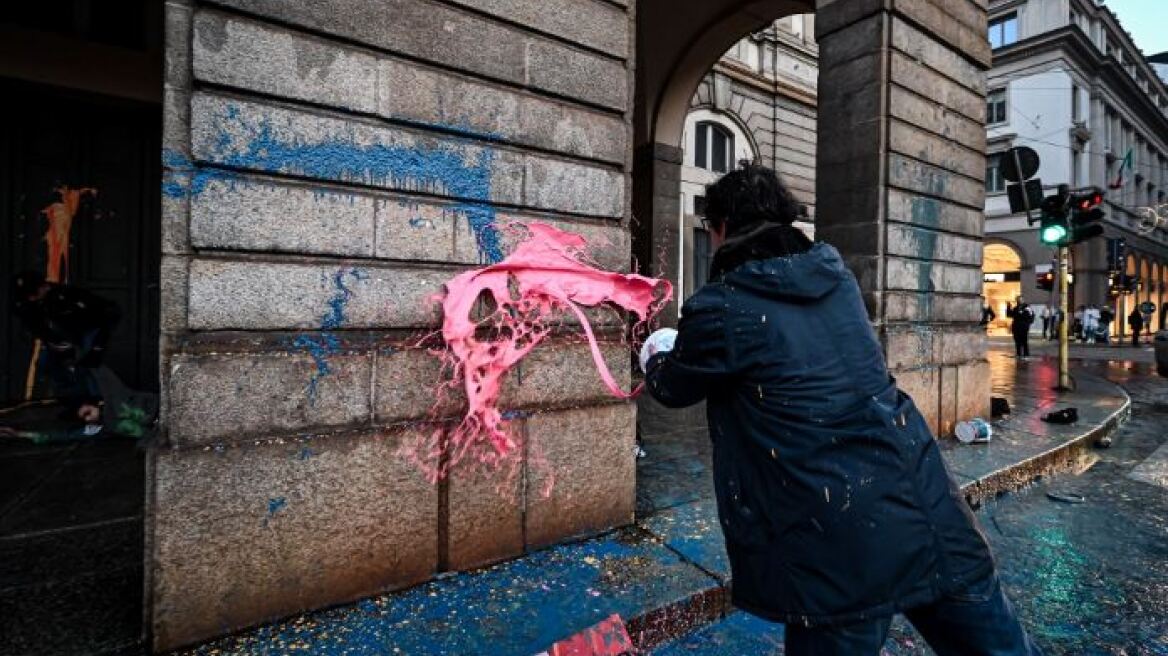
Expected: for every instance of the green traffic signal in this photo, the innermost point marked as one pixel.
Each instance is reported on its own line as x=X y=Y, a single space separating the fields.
x=1053 y=233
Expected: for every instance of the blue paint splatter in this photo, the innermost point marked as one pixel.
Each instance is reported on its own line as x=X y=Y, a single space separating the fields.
x=275 y=505
x=181 y=176
x=306 y=453
x=439 y=169
x=320 y=348
x=335 y=317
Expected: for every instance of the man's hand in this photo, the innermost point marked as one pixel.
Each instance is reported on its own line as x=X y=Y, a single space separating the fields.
x=660 y=341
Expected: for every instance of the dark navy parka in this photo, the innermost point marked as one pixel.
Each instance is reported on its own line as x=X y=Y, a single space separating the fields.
x=834 y=501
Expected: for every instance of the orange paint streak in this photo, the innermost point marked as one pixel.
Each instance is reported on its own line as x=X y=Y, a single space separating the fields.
x=60 y=217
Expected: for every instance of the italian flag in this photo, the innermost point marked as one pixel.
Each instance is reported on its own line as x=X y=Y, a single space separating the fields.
x=1124 y=167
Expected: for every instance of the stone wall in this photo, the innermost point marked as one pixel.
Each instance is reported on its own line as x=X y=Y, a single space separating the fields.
x=900 y=184
x=328 y=165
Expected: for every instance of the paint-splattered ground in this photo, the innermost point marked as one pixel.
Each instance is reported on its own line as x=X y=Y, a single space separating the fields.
x=70 y=541
x=1087 y=578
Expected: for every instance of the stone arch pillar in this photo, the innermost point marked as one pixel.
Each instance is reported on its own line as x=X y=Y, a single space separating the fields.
x=900 y=185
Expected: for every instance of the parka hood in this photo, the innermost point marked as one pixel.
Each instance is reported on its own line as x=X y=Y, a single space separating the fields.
x=805 y=276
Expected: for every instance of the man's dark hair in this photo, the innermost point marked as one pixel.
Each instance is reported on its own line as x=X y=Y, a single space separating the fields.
x=748 y=197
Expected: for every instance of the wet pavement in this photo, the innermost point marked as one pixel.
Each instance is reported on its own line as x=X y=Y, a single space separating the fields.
x=1087 y=578
x=70 y=546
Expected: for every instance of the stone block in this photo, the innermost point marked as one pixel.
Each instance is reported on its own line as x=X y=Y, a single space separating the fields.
x=576 y=188
x=253 y=214
x=924 y=244
x=925 y=212
x=252 y=295
x=176 y=64
x=246 y=54
x=423 y=230
x=937 y=56
x=914 y=76
x=485 y=515
x=576 y=74
x=411 y=384
x=172 y=294
x=415 y=93
x=909 y=347
x=558 y=373
x=958 y=23
x=913 y=175
x=924 y=306
x=935 y=118
x=598 y=25
x=586 y=454
x=928 y=275
x=232 y=397
x=960 y=346
x=948 y=402
x=855 y=239
x=263 y=137
x=421 y=29
x=973 y=390
x=851 y=26
x=246 y=535
x=938 y=151
x=924 y=386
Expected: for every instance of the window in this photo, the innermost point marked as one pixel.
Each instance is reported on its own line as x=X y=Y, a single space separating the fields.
x=996 y=106
x=703 y=256
x=1076 y=114
x=994 y=182
x=713 y=147
x=699 y=205
x=1004 y=30
x=1076 y=166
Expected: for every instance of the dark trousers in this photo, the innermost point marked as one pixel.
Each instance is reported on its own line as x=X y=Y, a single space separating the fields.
x=978 y=622
x=1136 y=336
x=1045 y=327
x=1022 y=344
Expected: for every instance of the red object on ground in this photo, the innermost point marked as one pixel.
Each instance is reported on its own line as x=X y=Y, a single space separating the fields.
x=608 y=638
x=529 y=293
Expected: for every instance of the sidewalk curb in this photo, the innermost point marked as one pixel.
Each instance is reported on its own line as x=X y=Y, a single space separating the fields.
x=1067 y=456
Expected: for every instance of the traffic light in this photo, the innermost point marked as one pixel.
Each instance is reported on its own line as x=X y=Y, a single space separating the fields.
x=1054 y=228
x=1086 y=214
x=1069 y=218
x=1046 y=281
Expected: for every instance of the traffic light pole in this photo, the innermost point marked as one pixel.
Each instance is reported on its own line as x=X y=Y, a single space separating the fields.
x=1064 y=384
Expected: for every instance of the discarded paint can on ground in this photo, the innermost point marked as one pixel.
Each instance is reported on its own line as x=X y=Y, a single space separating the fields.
x=974 y=431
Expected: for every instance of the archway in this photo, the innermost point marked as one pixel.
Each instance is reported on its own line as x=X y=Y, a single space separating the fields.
x=899 y=161
x=1001 y=283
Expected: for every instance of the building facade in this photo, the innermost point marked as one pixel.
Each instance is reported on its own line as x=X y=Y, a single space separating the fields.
x=1069 y=82
x=756 y=104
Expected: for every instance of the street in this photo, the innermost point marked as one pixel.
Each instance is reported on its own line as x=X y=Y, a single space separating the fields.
x=1090 y=577
x=1087 y=577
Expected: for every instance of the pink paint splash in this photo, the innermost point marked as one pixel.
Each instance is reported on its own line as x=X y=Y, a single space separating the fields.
x=544 y=276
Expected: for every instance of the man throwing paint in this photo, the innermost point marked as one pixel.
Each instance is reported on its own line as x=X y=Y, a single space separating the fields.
x=836 y=507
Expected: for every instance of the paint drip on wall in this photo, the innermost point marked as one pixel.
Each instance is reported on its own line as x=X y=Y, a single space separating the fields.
x=528 y=294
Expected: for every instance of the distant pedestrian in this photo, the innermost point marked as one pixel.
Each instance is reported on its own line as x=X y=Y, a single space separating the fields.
x=1077 y=325
x=1047 y=317
x=1106 y=316
x=1056 y=323
x=987 y=315
x=1090 y=324
x=1023 y=318
x=1135 y=320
